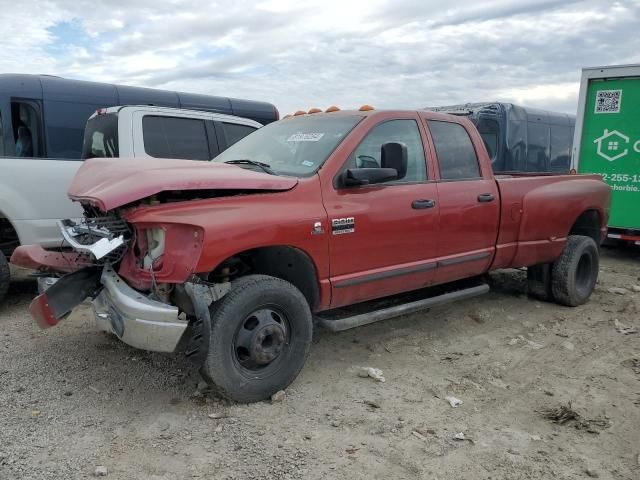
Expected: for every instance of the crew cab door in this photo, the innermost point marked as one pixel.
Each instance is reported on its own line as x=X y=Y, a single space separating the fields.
x=383 y=237
x=469 y=202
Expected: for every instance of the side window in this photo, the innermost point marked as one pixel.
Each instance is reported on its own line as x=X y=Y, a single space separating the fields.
x=367 y=154
x=65 y=124
x=101 y=137
x=537 y=147
x=234 y=132
x=26 y=122
x=561 y=143
x=174 y=137
x=456 y=156
x=489 y=132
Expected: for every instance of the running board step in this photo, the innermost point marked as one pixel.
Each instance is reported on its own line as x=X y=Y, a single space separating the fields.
x=404 y=309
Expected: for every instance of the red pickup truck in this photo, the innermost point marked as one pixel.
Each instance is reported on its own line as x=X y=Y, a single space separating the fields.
x=231 y=261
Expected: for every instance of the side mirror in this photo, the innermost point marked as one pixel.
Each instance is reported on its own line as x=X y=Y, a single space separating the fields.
x=394 y=155
x=367 y=176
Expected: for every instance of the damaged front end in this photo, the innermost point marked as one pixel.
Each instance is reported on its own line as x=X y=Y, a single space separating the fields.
x=133 y=285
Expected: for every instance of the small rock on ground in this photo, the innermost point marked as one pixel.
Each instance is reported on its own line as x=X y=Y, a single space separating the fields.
x=453 y=401
x=374 y=373
x=100 y=471
x=278 y=397
x=617 y=290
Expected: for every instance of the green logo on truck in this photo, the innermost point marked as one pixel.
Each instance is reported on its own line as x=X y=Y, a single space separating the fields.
x=612 y=145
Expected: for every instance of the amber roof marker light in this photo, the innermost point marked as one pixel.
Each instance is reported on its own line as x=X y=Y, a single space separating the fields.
x=365 y=108
x=332 y=108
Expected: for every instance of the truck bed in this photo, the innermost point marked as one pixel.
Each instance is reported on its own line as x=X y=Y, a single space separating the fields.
x=538 y=211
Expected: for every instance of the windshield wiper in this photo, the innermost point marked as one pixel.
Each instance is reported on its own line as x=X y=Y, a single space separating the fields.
x=264 y=166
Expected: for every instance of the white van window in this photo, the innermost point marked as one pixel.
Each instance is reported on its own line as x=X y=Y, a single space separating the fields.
x=175 y=137
x=234 y=132
x=101 y=137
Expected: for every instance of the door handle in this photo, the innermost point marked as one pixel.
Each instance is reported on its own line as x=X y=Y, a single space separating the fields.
x=422 y=204
x=485 y=197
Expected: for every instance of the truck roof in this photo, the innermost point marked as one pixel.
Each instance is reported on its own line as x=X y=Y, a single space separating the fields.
x=374 y=112
x=182 y=111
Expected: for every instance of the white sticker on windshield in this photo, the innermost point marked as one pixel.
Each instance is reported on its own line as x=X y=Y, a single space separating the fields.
x=305 y=137
x=307 y=163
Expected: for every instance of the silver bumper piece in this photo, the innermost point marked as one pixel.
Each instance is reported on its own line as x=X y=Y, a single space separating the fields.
x=99 y=249
x=135 y=319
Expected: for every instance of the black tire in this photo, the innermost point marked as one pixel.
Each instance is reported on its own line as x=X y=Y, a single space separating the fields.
x=575 y=272
x=5 y=276
x=261 y=334
x=539 y=282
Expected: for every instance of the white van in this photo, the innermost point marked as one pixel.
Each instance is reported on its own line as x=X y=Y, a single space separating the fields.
x=161 y=132
x=33 y=191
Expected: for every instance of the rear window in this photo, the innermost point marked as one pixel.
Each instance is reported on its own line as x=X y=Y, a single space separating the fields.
x=174 y=137
x=234 y=132
x=101 y=137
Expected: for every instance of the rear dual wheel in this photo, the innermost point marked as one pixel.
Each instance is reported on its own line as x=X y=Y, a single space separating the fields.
x=569 y=280
x=260 y=338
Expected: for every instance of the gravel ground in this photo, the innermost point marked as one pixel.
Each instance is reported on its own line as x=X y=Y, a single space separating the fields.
x=73 y=399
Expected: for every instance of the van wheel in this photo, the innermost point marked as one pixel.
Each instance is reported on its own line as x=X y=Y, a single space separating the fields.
x=539 y=282
x=260 y=338
x=5 y=276
x=575 y=273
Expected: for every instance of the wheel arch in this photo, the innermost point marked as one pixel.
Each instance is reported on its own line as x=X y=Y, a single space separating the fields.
x=589 y=224
x=281 y=261
x=9 y=238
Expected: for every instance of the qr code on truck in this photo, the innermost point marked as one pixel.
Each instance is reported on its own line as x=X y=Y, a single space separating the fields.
x=608 y=101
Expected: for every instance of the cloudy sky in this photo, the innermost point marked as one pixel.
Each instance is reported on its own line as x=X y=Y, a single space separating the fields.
x=301 y=54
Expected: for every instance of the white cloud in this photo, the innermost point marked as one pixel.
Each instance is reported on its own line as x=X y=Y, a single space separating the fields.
x=405 y=53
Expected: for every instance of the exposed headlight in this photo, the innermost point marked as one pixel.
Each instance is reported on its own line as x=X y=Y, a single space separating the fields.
x=155 y=248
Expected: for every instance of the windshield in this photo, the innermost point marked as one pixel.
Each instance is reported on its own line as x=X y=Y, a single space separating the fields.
x=101 y=137
x=296 y=146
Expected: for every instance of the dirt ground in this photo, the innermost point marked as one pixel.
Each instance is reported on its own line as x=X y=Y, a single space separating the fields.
x=73 y=399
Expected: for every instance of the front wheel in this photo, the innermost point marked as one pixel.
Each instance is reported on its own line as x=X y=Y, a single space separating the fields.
x=575 y=272
x=260 y=338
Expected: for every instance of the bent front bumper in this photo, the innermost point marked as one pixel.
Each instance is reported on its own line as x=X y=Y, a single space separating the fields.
x=135 y=319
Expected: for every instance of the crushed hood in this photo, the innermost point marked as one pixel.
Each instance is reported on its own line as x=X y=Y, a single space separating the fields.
x=112 y=183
